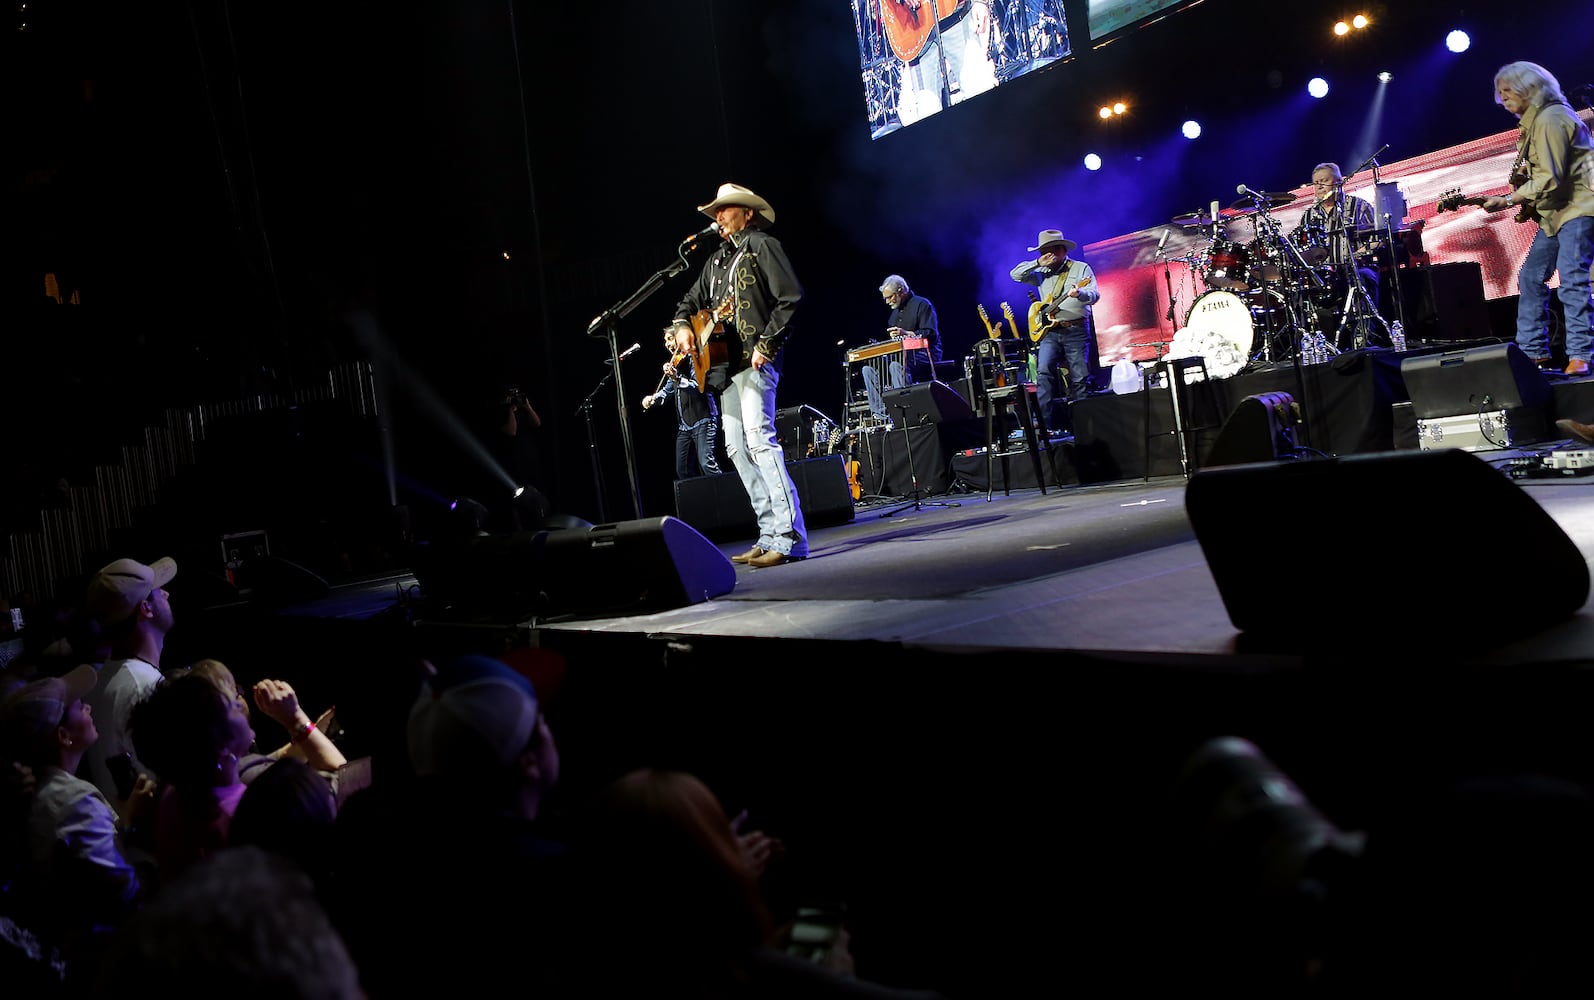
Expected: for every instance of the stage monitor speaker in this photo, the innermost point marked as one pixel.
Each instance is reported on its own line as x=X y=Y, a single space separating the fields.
x=926 y=403
x=1474 y=380
x=1261 y=429
x=718 y=506
x=1424 y=551
x=652 y=564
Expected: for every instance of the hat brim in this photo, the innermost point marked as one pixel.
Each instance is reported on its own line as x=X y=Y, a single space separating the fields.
x=80 y=680
x=164 y=569
x=1067 y=245
x=758 y=205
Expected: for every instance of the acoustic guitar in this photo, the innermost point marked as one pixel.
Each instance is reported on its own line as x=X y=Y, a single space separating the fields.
x=910 y=23
x=1043 y=313
x=708 y=332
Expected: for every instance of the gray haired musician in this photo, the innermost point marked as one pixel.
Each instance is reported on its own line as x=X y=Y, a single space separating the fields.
x=912 y=316
x=1342 y=223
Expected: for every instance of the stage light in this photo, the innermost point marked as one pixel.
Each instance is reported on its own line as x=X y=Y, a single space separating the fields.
x=1119 y=108
x=1385 y=77
x=1105 y=112
x=1341 y=28
x=1191 y=129
x=1458 y=41
x=1092 y=161
x=1317 y=87
x=1359 y=21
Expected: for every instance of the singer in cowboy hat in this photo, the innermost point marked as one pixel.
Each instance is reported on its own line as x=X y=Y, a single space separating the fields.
x=1068 y=289
x=748 y=285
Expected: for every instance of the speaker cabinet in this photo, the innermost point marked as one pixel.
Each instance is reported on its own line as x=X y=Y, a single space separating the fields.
x=1474 y=380
x=718 y=506
x=1261 y=429
x=926 y=403
x=794 y=429
x=1445 y=302
x=1472 y=559
x=652 y=564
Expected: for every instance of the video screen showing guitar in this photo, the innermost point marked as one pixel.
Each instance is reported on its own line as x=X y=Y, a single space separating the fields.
x=920 y=57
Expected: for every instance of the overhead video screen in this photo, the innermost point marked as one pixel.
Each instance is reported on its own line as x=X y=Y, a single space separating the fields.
x=920 y=57
x=1108 y=16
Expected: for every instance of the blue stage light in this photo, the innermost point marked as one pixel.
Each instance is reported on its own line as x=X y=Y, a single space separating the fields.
x=1092 y=161
x=1191 y=129
x=1317 y=87
x=1458 y=41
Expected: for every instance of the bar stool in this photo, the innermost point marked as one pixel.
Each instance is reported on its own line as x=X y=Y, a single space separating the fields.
x=1175 y=375
x=996 y=392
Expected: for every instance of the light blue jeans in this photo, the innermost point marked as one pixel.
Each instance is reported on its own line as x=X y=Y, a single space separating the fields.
x=896 y=376
x=1571 y=252
x=747 y=408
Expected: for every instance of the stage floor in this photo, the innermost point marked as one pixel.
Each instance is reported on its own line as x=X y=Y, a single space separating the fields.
x=1110 y=569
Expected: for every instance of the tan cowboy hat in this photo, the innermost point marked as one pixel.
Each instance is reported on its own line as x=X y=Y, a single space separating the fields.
x=1049 y=237
x=735 y=194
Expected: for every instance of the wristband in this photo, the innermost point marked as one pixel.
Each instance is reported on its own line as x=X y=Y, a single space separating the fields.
x=302 y=733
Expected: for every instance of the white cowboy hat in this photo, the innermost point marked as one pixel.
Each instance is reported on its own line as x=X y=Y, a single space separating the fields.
x=1048 y=237
x=735 y=194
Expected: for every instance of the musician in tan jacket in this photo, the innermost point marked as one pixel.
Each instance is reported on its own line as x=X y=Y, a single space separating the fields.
x=1554 y=185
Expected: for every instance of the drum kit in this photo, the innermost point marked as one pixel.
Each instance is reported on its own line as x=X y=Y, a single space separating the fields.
x=1270 y=295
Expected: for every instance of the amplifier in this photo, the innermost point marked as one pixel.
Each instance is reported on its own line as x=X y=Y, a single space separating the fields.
x=1490 y=430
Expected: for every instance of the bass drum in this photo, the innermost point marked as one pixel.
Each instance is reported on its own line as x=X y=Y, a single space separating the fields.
x=1217 y=328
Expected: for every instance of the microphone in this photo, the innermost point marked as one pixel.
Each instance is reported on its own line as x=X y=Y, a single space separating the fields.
x=1242 y=189
x=712 y=227
x=1164 y=241
x=630 y=351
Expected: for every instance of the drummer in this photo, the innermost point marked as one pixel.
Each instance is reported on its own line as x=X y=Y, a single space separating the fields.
x=1338 y=220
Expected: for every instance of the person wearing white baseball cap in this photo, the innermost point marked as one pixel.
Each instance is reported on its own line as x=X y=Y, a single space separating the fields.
x=128 y=601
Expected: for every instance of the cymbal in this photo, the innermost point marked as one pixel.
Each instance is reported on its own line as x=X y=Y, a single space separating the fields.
x=1273 y=199
x=1192 y=219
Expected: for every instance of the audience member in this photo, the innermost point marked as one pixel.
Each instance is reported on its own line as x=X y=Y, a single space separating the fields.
x=129 y=603
x=484 y=762
x=289 y=810
x=242 y=925
x=79 y=882
x=198 y=741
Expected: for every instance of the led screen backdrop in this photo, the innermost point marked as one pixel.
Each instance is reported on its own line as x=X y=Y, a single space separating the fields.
x=1132 y=316
x=920 y=57
x=1108 y=16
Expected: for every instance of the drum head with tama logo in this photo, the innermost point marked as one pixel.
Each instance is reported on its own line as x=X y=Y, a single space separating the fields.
x=1219 y=329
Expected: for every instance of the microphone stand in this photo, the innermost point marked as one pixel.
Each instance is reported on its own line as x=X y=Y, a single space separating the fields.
x=1394 y=258
x=585 y=409
x=606 y=324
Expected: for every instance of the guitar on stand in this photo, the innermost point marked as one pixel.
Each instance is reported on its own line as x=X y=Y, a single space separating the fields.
x=993 y=332
x=1007 y=310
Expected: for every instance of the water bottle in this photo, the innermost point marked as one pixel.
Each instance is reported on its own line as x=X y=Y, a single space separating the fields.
x=1397 y=336
x=1125 y=376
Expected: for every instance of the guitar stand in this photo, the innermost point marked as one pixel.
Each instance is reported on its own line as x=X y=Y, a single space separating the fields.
x=917 y=504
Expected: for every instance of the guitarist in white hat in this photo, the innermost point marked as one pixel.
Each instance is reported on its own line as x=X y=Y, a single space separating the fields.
x=735 y=320
x=1059 y=321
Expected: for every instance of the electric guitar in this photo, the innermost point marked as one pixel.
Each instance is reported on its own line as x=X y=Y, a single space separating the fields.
x=1012 y=324
x=1043 y=313
x=995 y=333
x=909 y=23
x=1453 y=199
x=708 y=332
